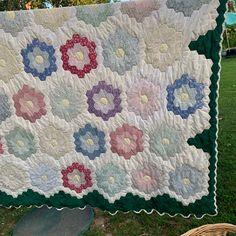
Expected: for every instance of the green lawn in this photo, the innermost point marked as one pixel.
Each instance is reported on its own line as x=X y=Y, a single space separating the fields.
x=143 y=224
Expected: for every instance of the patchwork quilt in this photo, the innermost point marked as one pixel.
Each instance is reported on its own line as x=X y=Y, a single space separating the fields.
x=111 y=105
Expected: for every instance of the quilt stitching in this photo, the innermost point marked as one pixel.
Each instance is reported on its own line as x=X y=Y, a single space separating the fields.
x=103 y=114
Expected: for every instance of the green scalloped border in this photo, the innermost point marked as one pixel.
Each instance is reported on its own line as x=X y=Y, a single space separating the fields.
x=210 y=46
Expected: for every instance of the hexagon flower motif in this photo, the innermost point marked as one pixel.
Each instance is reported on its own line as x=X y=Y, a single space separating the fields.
x=13 y=177
x=39 y=59
x=10 y=61
x=13 y=22
x=44 y=177
x=166 y=141
x=104 y=100
x=4 y=107
x=29 y=104
x=126 y=141
x=94 y=14
x=186 y=181
x=76 y=177
x=120 y=51
x=65 y=102
x=20 y=143
x=186 y=7
x=185 y=96
x=53 y=18
x=1 y=148
x=148 y=178
x=79 y=55
x=111 y=179
x=143 y=98
x=90 y=141
x=54 y=142
x=139 y=9
x=163 y=45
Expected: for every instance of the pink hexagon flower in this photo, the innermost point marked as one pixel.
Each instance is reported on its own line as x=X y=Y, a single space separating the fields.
x=1 y=148
x=147 y=178
x=139 y=9
x=76 y=177
x=143 y=98
x=29 y=104
x=126 y=141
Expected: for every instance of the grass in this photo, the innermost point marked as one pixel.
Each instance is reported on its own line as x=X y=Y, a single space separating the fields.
x=143 y=224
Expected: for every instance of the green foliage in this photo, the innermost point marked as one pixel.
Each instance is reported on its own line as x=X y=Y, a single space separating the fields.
x=64 y=3
x=11 y=5
x=229 y=37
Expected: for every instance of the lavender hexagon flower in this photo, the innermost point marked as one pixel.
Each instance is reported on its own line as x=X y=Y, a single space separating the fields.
x=185 y=96
x=39 y=59
x=104 y=100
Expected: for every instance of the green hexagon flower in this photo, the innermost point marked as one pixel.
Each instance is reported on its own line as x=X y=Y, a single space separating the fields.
x=20 y=143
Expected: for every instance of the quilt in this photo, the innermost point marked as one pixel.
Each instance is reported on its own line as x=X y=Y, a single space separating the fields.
x=111 y=105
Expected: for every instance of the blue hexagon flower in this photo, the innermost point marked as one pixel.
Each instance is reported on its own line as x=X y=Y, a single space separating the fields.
x=90 y=141
x=112 y=179
x=120 y=51
x=44 y=177
x=39 y=59
x=186 y=181
x=186 y=7
x=4 y=108
x=13 y=22
x=20 y=143
x=94 y=14
x=185 y=96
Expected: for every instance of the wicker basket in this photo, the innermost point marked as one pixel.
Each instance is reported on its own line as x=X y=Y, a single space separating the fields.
x=212 y=230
